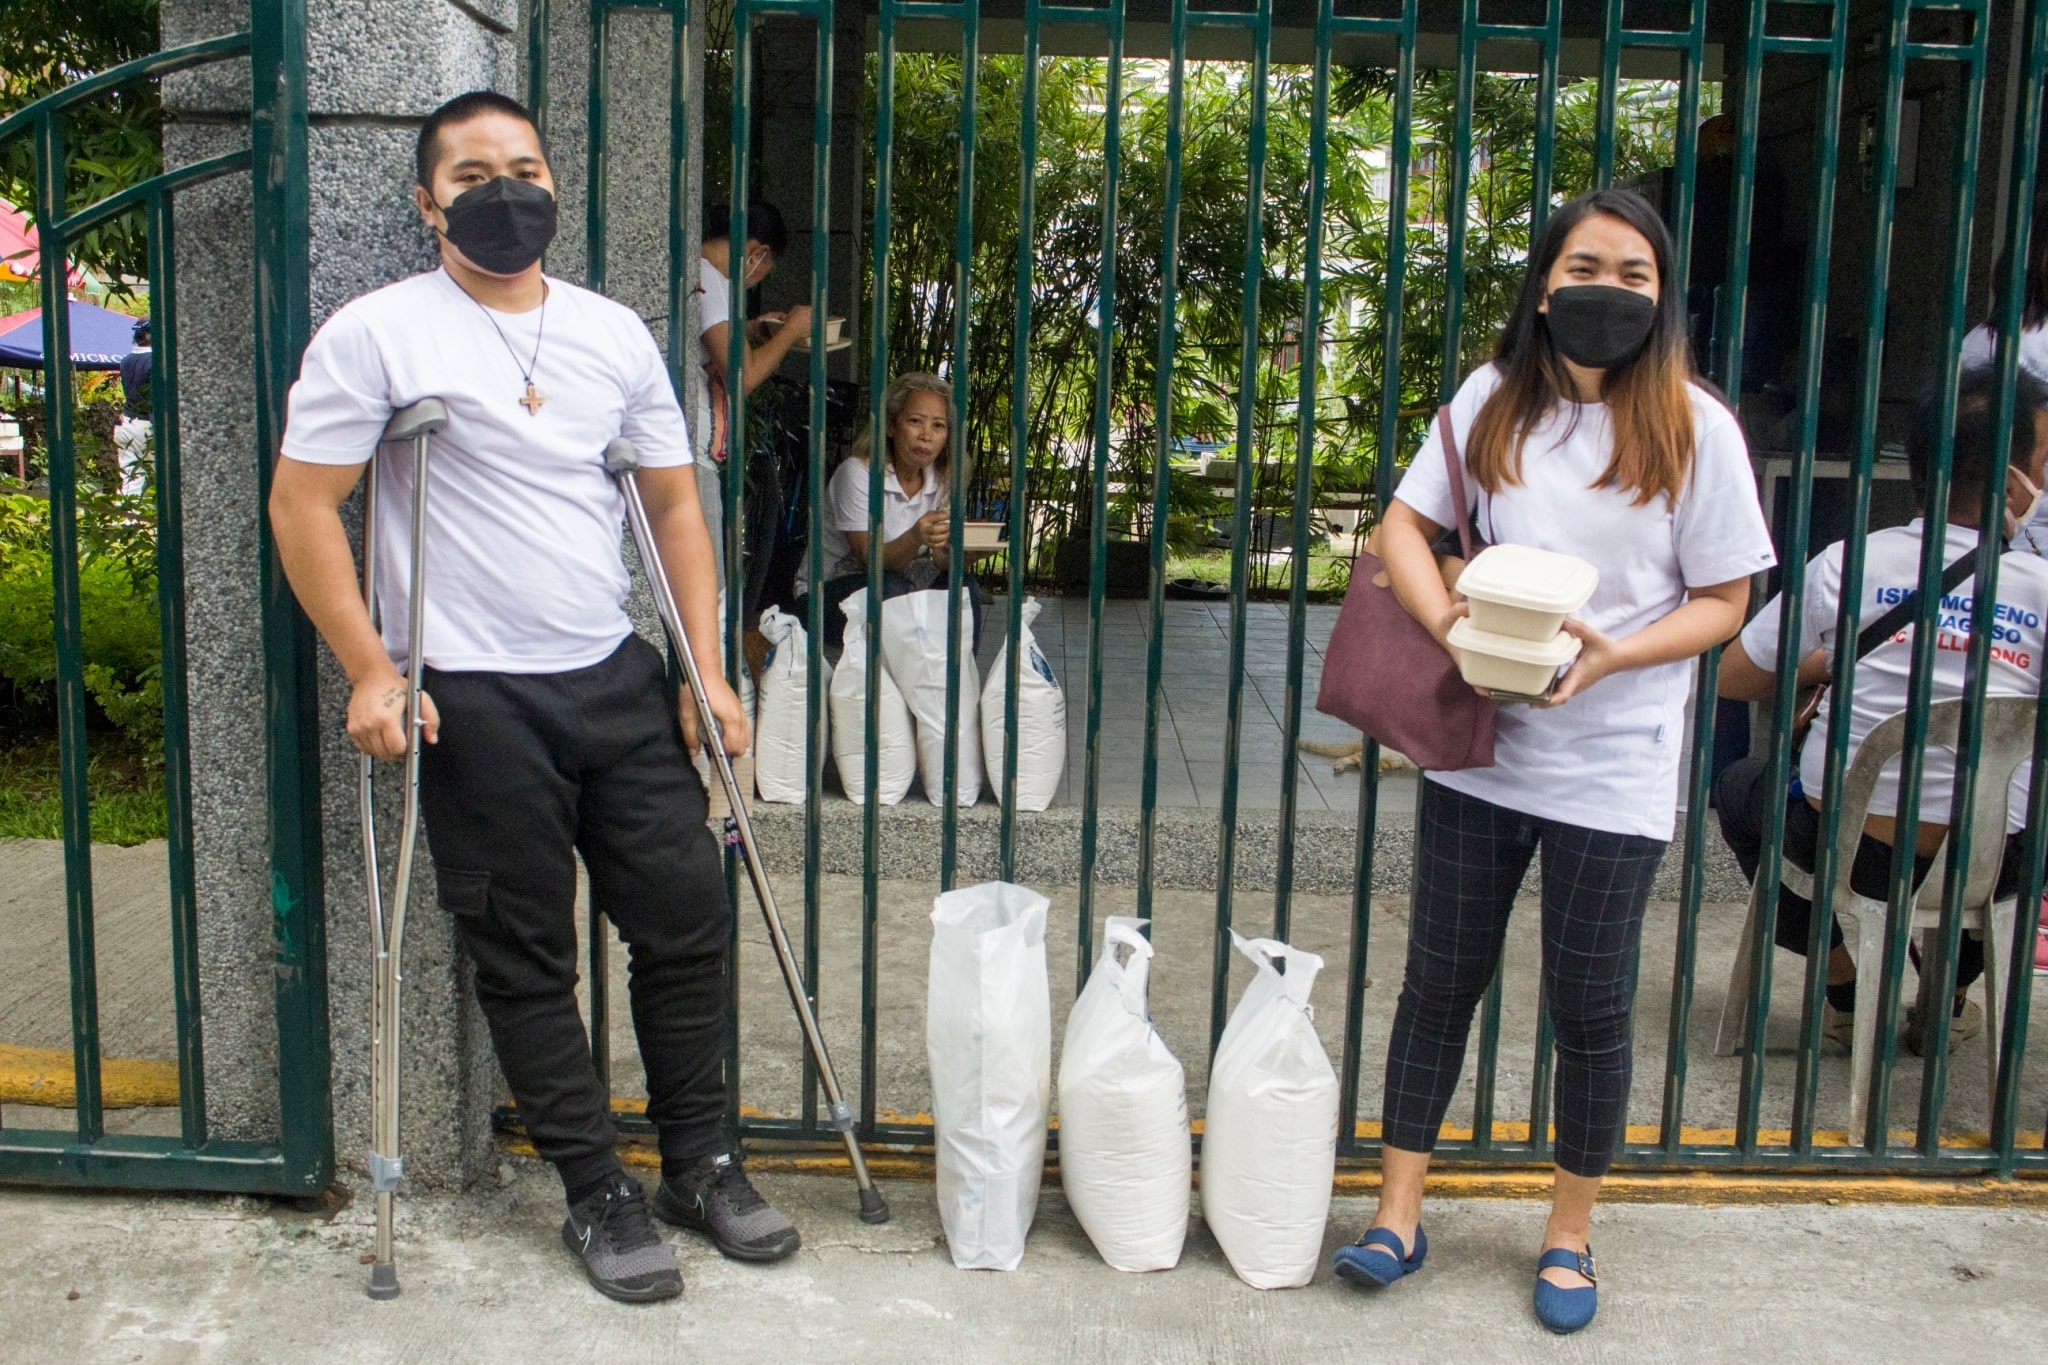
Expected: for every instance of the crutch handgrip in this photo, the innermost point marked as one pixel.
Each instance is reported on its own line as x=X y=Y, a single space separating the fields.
x=620 y=457
x=423 y=418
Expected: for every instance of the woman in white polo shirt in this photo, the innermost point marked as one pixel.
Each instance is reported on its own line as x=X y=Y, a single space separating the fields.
x=917 y=491
x=1587 y=435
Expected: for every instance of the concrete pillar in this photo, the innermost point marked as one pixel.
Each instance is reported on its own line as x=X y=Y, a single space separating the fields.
x=375 y=68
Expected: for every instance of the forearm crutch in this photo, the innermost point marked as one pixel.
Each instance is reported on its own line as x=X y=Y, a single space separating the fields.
x=413 y=425
x=621 y=463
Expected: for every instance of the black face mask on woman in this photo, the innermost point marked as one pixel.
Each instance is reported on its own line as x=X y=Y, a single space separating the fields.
x=502 y=225
x=1600 y=325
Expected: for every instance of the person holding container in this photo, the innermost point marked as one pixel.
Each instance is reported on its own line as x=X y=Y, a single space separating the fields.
x=917 y=511
x=1588 y=435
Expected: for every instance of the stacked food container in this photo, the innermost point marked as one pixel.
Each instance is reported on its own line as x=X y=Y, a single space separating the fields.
x=1514 y=643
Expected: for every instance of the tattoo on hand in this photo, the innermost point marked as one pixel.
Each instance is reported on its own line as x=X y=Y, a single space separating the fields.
x=395 y=697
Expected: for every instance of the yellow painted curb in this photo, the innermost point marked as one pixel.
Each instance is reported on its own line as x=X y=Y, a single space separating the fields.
x=47 y=1077
x=2028 y=1190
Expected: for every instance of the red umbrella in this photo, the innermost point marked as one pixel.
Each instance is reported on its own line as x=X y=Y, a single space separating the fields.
x=20 y=252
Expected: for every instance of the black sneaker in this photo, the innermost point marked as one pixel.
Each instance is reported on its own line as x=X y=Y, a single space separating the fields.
x=715 y=1197
x=622 y=1253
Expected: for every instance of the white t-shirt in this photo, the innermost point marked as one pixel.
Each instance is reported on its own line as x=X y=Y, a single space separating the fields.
x=1607 y=759
x=1979 y=348
x=846 y=509
x=1891 y=570
x=524 y=573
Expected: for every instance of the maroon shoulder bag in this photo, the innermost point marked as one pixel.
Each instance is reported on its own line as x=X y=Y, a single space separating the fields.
x=1386 y=674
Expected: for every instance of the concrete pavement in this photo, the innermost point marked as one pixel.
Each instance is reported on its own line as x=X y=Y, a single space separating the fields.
x=186 y=1278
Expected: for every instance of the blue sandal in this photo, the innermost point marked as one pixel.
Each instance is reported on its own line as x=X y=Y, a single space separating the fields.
x=1378 y=1258
x=1563 y=1310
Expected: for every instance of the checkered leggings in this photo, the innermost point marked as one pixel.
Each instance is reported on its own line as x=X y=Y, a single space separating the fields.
x=1471 y=856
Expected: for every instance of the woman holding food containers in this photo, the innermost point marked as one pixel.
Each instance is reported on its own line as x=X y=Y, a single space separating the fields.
x=1589 y=439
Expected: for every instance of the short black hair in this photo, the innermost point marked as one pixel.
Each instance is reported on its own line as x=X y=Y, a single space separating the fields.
x=1976 y=401
x=461 y=109
x=764 y=225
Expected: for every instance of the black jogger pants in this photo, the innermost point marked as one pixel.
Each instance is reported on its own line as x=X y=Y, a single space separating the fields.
x=530 y=770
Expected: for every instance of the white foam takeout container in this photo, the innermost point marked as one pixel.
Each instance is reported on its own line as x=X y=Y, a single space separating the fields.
x=1503 y=663
x=1525 y=592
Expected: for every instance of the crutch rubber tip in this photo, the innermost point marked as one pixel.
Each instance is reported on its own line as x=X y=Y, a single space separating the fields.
x=384 y=1281
x=873 y=1208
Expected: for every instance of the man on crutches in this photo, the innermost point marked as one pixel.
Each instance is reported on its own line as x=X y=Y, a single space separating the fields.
x=550 y=728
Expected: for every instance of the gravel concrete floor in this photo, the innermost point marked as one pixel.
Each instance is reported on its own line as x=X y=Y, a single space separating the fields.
x=137 y=1015
x=106 y=1278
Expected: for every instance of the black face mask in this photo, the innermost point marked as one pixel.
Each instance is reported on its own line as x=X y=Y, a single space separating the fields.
x=502 y=225
x=1600 y=326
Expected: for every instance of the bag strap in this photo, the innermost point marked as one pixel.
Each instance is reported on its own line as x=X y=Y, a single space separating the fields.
x=1887 y=625
x=1454 y=464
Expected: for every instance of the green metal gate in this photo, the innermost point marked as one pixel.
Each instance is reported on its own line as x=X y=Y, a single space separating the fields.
x=1756 y=37
x=301 y=1161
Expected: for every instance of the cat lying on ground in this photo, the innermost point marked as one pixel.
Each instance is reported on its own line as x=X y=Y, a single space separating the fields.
x=1350 y=756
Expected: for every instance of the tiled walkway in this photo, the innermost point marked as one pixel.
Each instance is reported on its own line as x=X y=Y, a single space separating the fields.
x=1195 y=702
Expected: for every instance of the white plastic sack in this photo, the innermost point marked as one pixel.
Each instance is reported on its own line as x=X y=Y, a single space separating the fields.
x=1125 y=1157
x=781 y=769
x=914 y=648
x=1041 y=721
x=1269 y=1146
x=898 y=738
x=988 y=1033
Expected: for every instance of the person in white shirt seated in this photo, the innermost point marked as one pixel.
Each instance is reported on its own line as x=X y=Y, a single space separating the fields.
x=1742 y=795
x=917 y=531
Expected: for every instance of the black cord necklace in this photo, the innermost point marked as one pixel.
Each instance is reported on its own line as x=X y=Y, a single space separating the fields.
x=532 y=399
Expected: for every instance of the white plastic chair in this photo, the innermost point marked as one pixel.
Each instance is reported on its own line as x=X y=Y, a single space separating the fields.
x=2007 y=744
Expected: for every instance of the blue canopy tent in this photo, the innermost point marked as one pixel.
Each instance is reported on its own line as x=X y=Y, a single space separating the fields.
x=100 y=337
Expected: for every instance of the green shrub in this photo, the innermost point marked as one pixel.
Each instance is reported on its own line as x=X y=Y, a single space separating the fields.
x=117 y=609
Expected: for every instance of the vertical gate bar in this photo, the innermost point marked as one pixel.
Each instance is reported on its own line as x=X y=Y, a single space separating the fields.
x=1805 y=1095
x=1311 y=359
x=1977 y=659
x=819 y=750
x=1685 y=167
x=598 y=196
x=1707 y=673
x=170 y=606
x=1098 y=527
x=1394 y=293
x=1699 y=756
x=1020 y=434
x=283 y=324
x=962 y=440
x=1455 y=204
x=682 y=276
x=62 y=467
x=1543 y=1058
x=537 y=65
x=598 y=189
x=2020 y=226
x=1544 y=174
x=1247 y=387
x=1460 y=182
x=1793 y=574
x=1610 y=92
x=878 y=448
x=1162 y=472
x=742 y=126
x=1899 y=893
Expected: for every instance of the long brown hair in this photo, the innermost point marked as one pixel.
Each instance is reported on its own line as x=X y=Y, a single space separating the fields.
x=1648 y=398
